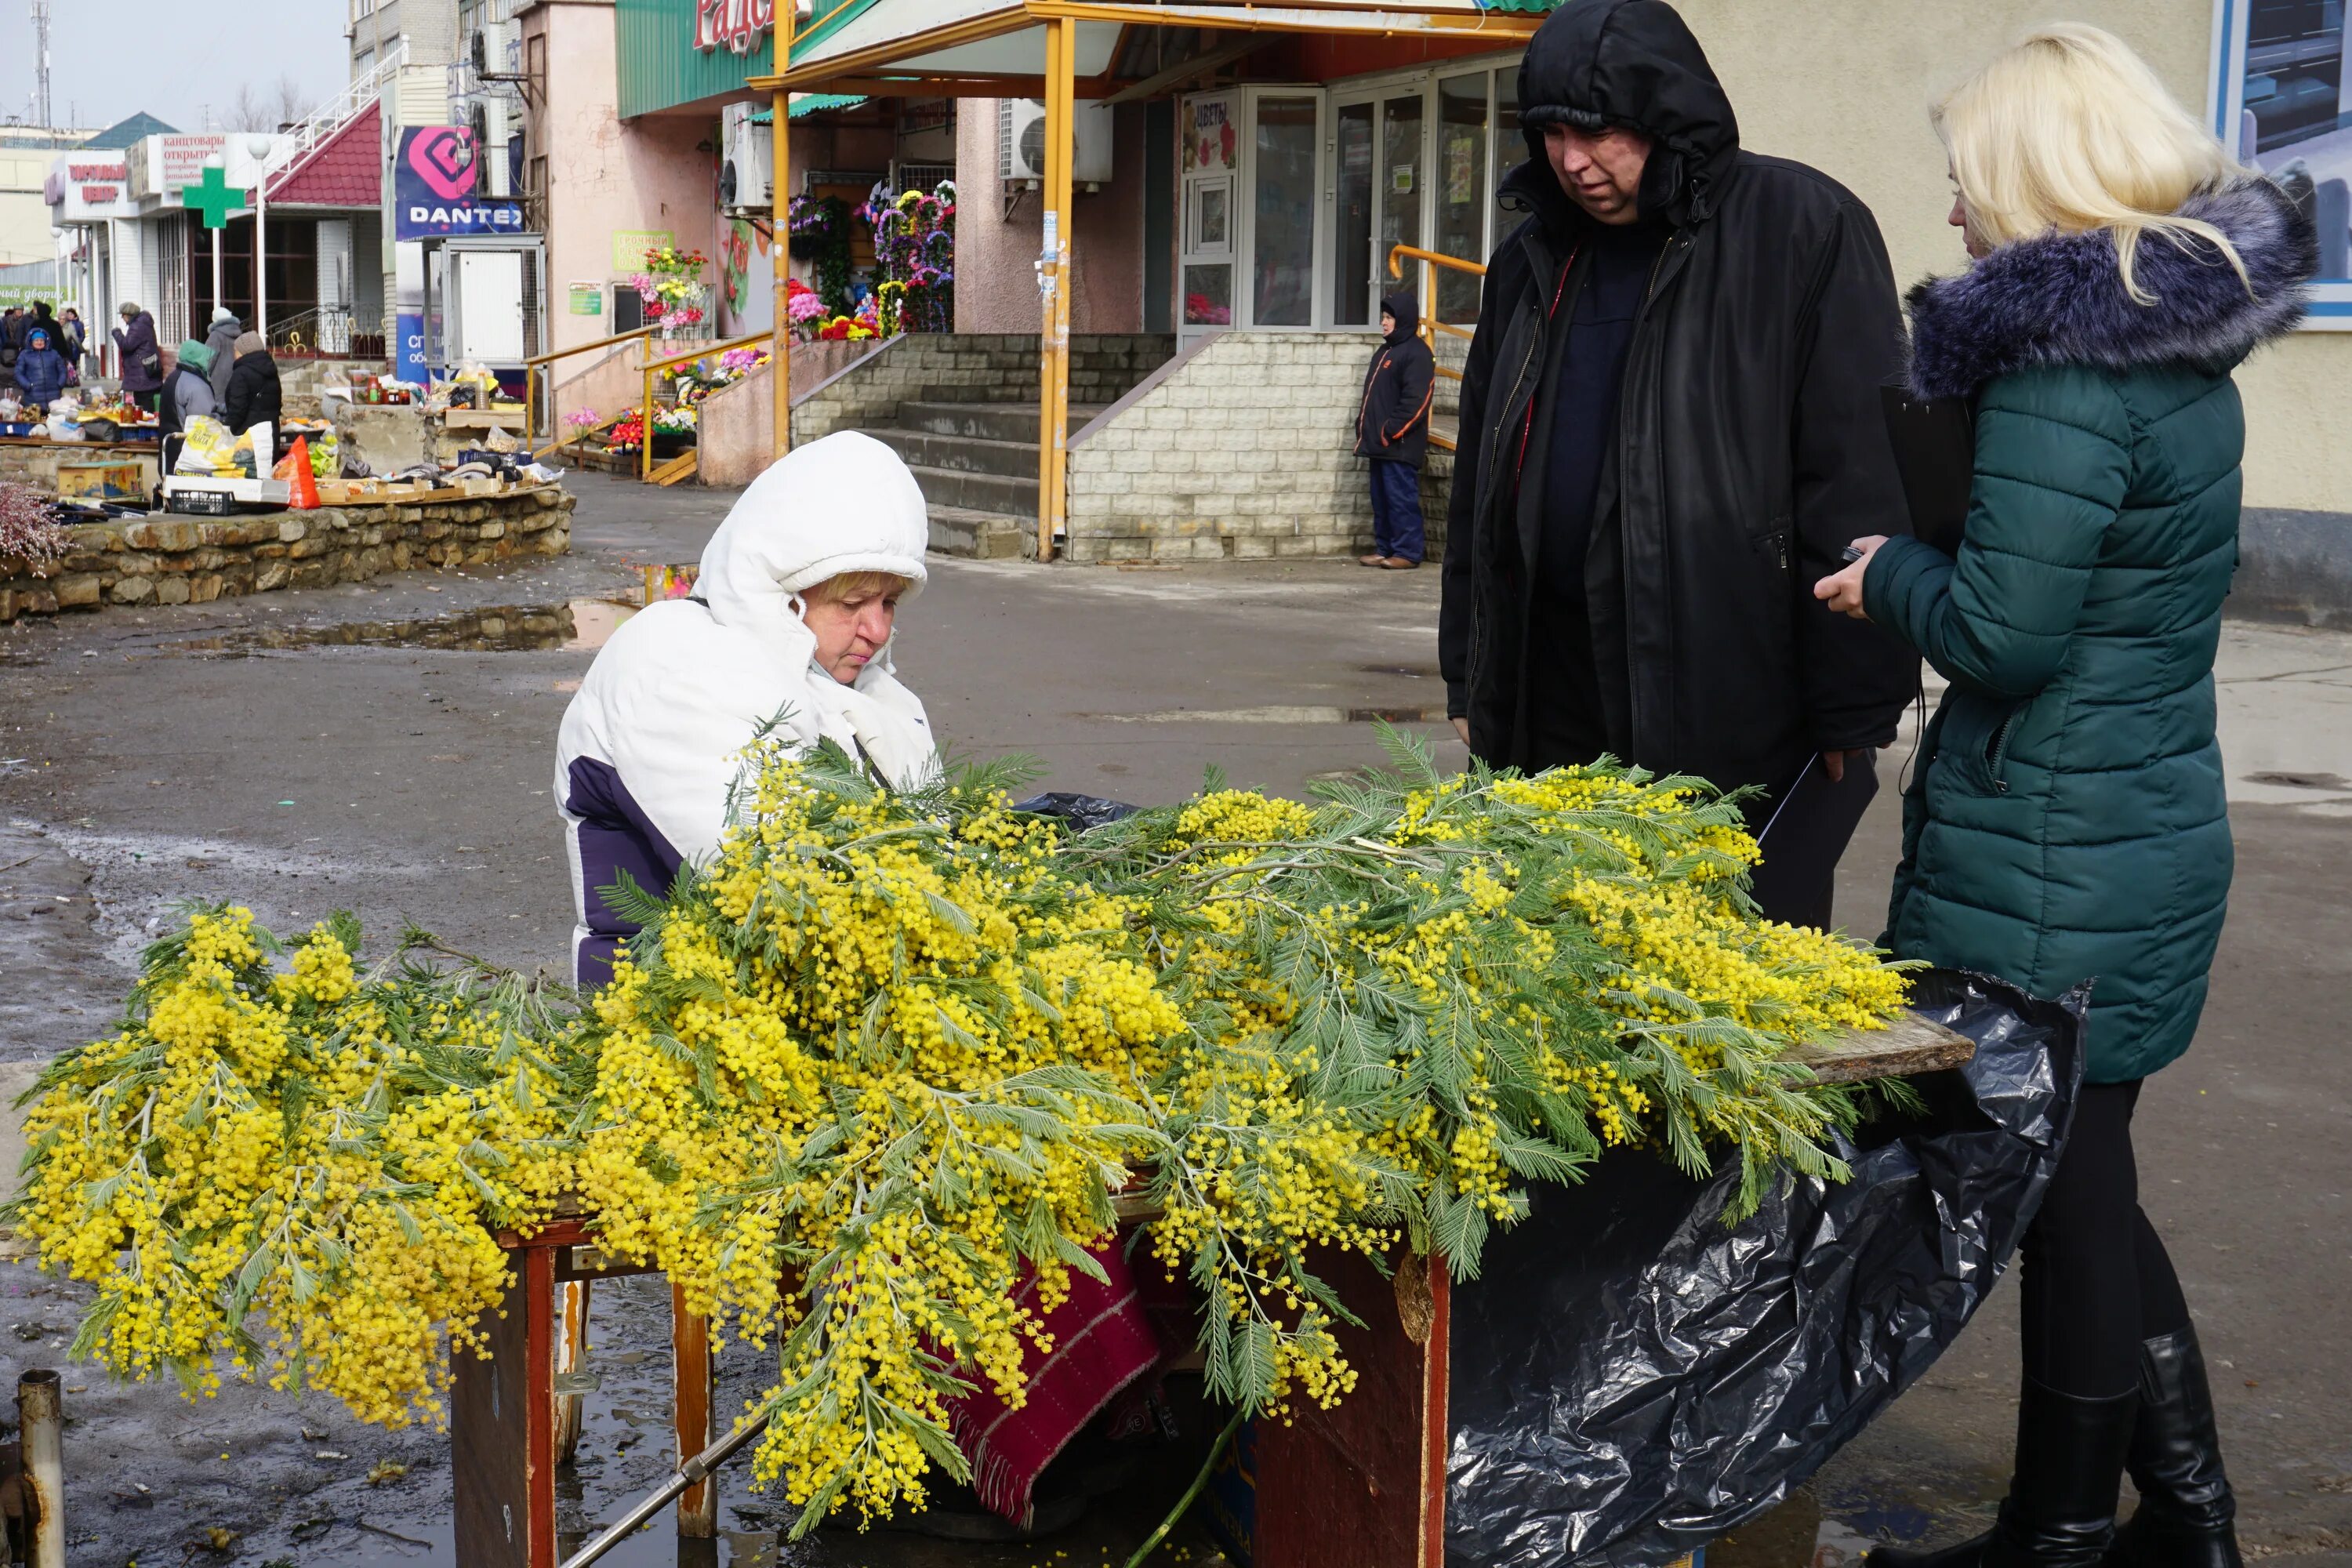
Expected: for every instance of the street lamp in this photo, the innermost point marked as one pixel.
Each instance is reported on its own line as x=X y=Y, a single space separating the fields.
x=261 y=147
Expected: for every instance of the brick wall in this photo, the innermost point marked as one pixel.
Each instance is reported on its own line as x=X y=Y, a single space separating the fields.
x=972 y=367
x=1244 y=449
x=173 y=560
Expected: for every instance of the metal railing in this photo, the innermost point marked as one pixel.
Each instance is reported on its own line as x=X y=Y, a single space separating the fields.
x=531 y=369
x=330 y=332
x=1431 y=326
x=339 y=110
x=655 y=367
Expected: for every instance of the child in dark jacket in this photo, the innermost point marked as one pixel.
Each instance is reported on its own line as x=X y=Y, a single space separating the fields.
x=1392 y=430
x=41 y=371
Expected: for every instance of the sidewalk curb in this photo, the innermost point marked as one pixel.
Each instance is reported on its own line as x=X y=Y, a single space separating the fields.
x=2294 y=566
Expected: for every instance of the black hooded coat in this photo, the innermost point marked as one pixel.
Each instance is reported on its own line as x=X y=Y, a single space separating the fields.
x=1392 y=422
x=1750 y=444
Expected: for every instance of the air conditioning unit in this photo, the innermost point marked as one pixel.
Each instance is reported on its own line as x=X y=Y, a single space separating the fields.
x=1021 y=141
x=747 y=176
x=494 y=49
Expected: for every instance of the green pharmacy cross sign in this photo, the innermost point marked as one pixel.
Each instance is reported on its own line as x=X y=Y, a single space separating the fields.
x=212 y=196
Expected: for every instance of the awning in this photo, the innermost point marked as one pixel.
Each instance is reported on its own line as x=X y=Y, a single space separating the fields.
x=875 y=42
x=813 y=103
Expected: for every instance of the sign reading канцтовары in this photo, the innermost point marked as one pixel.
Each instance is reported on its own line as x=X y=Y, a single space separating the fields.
x=434 y=188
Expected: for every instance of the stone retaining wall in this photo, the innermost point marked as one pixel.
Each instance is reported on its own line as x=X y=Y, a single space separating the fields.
x=1245 y=448
x=168 y=559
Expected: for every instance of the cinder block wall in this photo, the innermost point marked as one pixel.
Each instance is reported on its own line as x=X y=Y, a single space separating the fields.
x=1244 y=450
x=974 y=367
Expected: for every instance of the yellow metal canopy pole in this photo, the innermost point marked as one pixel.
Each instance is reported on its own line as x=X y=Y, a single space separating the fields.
x=1055 y=279
x=779 y=366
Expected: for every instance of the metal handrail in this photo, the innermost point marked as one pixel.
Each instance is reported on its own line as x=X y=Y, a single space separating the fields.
x=530 y=377
x=1429 y=326
x=655 y=367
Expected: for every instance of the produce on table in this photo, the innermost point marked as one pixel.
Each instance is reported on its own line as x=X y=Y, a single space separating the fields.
x=889 y=1053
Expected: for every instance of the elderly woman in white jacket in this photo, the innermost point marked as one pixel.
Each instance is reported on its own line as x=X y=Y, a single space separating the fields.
x=792 y=616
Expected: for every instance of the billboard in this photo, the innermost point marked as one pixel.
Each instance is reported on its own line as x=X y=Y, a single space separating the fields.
x=2282 y=102
x=434 y=195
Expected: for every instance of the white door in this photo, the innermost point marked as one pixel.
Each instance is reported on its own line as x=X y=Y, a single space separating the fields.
x=1209 y=157
x=489 y=291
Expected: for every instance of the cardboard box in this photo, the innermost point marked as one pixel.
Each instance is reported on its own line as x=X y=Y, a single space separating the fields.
x=105 y=481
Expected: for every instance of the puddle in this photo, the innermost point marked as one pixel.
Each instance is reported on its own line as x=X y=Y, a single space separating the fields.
x=1302 y=714
x=581 y=625
x=1410 y=672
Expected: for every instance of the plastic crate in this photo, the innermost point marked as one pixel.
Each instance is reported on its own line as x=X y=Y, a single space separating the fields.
x=201 y=503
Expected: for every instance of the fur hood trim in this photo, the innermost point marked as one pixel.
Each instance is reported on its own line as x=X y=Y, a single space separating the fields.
x=2058 y=299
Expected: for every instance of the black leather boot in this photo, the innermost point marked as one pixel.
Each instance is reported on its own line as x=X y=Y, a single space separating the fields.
x=2187 y=1515
x=2060 y=1508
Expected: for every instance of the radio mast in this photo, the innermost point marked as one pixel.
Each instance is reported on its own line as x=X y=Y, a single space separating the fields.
x=41 y=63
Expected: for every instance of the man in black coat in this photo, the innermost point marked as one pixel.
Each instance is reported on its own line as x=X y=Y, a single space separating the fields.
x=253 y=393
x=1392 y=430
x=1671 y=426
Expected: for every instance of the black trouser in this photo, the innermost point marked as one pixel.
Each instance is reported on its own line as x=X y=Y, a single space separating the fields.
x=1803 y=827
x=2096 y=1278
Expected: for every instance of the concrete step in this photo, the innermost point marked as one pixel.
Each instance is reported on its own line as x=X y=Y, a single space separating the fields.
x=985 y=421
x=968 y=454
x=1009 y=495
x=980 y=535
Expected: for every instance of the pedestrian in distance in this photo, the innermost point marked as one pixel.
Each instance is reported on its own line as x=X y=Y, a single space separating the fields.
x=255 y=396
x=187 y=394
x=2067 y=822
x=12 y=344
x=1671 y=426
x=1393 y=431
x=220 y=342
x=141 y=357
x=41 y=371
x=73 y=336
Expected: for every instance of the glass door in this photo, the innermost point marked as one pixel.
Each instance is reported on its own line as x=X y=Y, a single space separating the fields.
x=1402 y=179
x=1285 y=129
x=1351 y=234
x=1379 y=188
x=1462 y=191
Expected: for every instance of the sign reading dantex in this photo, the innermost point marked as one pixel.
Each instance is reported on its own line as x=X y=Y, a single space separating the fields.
x=736 y=25
x=433 y=192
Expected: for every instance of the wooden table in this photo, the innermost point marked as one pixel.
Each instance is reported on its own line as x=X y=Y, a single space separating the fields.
x=1360 y=1486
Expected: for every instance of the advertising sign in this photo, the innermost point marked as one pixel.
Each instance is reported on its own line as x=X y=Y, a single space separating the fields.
x=734 y=24
x=432 y=188
x=630 y=245
x=85 y=188
x=2281 y=102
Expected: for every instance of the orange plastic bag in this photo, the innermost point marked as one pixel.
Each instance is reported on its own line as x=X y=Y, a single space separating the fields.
x=305 y=484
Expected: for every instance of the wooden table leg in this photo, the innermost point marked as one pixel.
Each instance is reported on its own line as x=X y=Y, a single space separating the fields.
x=697 y=1507
x=502 y=1427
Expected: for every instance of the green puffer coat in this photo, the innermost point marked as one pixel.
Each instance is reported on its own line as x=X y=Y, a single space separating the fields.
x=2066 y=821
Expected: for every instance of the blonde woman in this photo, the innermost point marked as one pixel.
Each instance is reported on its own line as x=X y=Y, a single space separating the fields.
x=2067 y=822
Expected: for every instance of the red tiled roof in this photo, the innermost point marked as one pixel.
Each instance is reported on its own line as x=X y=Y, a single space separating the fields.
x=346 y=169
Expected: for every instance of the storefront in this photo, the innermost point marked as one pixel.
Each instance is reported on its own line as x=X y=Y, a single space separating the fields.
x=1291 y=198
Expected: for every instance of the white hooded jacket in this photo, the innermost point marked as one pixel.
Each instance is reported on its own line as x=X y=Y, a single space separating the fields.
x=652 y=742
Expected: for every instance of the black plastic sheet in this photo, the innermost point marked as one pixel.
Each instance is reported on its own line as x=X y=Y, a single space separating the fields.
x=1080 y=810
x=1632 y=1378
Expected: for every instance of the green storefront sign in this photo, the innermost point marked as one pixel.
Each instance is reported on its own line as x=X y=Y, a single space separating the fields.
x=660 y=66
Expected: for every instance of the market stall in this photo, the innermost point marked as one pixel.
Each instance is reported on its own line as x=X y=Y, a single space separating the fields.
x=897 y=1059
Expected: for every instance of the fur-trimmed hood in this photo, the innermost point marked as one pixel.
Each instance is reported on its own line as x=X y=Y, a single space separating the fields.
x=2058 y=298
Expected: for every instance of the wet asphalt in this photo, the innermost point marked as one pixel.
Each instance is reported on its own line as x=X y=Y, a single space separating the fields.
x=388 y=747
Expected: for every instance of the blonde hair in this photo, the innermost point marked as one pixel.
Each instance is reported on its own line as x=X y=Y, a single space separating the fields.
x=849 y=583
x=2070 y=132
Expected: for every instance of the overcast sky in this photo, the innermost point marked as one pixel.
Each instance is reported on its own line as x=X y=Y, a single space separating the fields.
x=111 y=59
